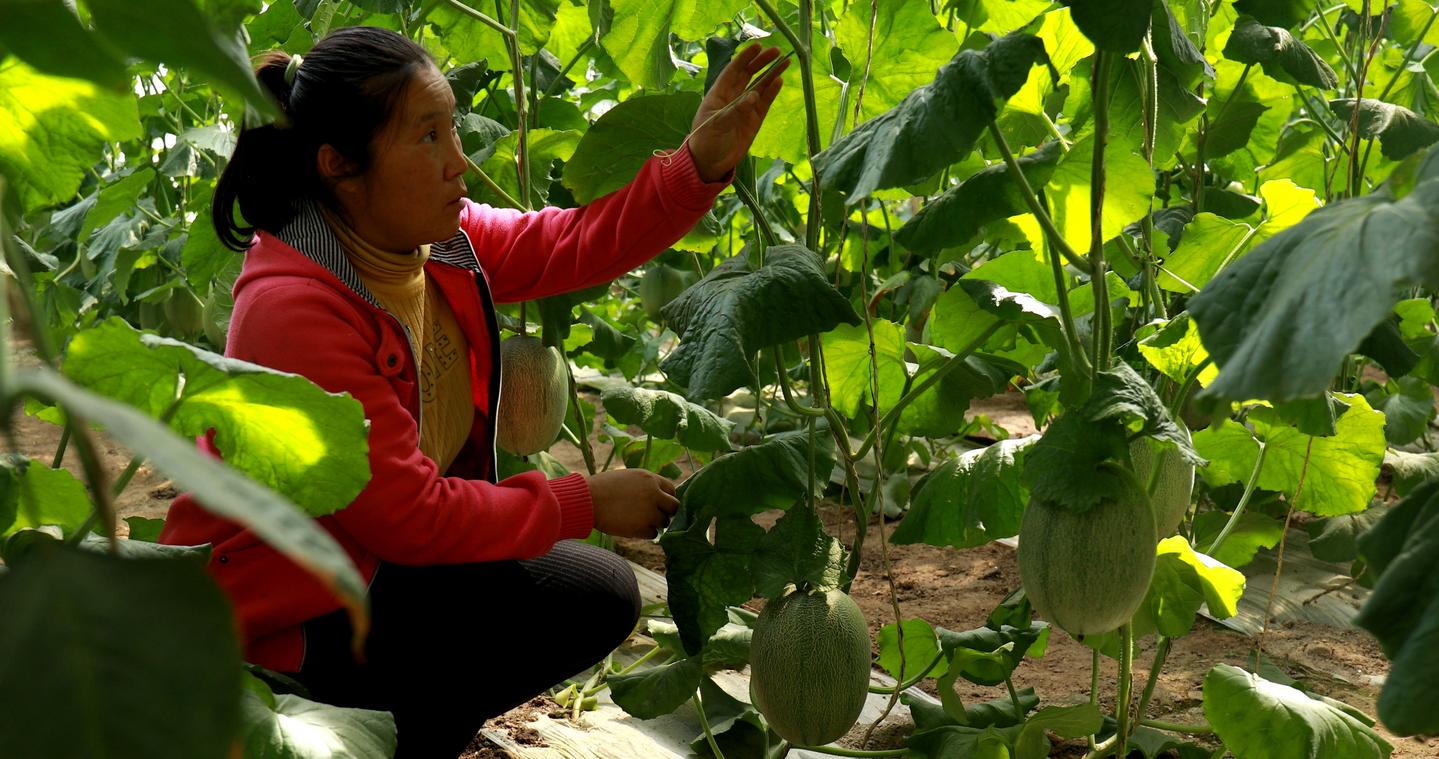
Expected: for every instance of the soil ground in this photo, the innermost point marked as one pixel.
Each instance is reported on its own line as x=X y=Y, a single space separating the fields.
x=949 y=588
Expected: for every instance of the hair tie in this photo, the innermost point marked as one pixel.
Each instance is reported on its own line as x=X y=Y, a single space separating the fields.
x=292 y=68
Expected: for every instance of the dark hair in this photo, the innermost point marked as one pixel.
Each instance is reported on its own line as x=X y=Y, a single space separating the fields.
x=342 y=94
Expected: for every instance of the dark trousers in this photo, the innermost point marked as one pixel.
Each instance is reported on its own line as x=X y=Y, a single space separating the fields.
x=452 y=645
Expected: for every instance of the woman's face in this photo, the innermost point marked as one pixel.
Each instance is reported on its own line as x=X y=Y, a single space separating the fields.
x=414 y=189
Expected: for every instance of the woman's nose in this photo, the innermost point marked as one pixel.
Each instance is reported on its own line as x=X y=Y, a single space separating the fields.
x=455 y=162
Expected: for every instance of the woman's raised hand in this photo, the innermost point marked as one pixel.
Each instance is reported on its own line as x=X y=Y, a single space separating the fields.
x=722 y=133
x=632 y=503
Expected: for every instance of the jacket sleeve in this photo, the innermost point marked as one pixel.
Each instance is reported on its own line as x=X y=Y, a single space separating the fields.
x=408 y=513
x=557 y=250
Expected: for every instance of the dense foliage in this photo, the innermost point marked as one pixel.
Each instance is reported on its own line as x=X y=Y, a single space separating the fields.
x=1149 y=216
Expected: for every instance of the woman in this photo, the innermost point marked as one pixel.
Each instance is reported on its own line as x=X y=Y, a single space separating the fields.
x=368 y=271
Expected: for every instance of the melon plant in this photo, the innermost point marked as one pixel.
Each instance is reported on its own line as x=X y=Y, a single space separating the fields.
x=809 y=665
x=1175 y=486
x=1088 y=571
x=184 y=313
x=534 y=395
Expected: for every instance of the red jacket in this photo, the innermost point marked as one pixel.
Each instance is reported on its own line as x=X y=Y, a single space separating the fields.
x=300 y=307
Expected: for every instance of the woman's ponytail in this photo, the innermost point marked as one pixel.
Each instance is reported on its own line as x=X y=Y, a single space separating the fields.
x=341 y=94
x=267 y=172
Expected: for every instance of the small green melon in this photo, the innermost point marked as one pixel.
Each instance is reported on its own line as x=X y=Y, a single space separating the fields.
x=809 y=665
x=534 y=395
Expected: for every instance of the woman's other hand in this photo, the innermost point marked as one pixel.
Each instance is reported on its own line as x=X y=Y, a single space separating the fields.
x=632 y=503
x=718 y=146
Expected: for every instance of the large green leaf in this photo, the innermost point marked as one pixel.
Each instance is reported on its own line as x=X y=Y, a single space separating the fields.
x=1282 y=55
x=1280 y=320
x=1025 y=118
x=1117 y=26
x=669 y=416
x=546 y=146
x=66 y=48
x=1175 y=350
x=1075 y=721
x=847 y=365
x=1129 y=188
x=657 y=691
x=180 y=35
x=1259 y=719
x=1253 y=533
x=908 y=45
x=1341 y=469
x=53 y=129
x=934 y=126
x=773 y=474
x=735 y=310
x=32 y=494
x=1185 y=580
x=706 y=578
x=797 y=551
x=221 y=488
x=1403 y=611
x=921 y=646
x=278 y=428
x=987 y=656
x=98 y=651
x=615 y=147
x=469 y=39
x=971 y=500
x=989 y=195
x=1209 y=244
x=1401 y=132
x=638 y=38
x=290 y=727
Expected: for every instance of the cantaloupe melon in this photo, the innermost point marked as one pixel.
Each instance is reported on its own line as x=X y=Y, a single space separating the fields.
x=1176 y=482
x=534 y=395
x=809 y=665
x=1088 y=572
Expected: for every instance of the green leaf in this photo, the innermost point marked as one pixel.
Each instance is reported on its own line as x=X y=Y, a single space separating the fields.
x=1407 y=411
x=989 y=195
x=657 y=691
x=278 y=428
x=222 y=489
x=1262 y=317
x=847 y=365
x=934 y=126
x=1253 y=533
x=297 y=728
x=773 y=474
x=921 y=645
x=1129 y=188
x=1117 y=26
x=32 y=494
x=1259 y=719
x=1025 y=119
x=1403 y=610
x=1068 y=465
x=960 y=740
x=546 y=146
x=725 y=318
x=1401 y=132
x=109 y=648
x=65 y=48
x=180 y=35
x=971 y=500
x=1178 y=53
x=624 y=138
x=53 y=129
x=966 y=310
x=1210 y=243
x=667 y=415
x=638 y=38
x=797 y=550
x=939 y=411
x=705 y=578
x=1283 y=56
x=1183 y=581
x=1232 y=129
x=1175 y=350
x=116 y=198
x=1075 y=721
x=1336 y=539
x=469 y=39
x=985 y=656
x=1410 y=470
x=900 y=52
x=1121 y=395
x=145 y=528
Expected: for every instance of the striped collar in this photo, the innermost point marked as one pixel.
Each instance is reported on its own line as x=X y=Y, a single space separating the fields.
x=308 y=233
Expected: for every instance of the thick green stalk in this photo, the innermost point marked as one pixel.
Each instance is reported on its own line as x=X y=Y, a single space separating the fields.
x=1126 y=666
x=801 y=46
x=517 y=72
x=1178 y=727
x=1032 y=201
x=913 y=681
x=1161 y=653
x=705 y=725
x=789 y=400
x=482 y=18
x=1100 y=321
x=489 y=182
x=1093 y=689
x=1249 y=488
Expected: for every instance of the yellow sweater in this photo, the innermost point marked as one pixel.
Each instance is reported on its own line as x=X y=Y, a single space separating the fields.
x=399 y=282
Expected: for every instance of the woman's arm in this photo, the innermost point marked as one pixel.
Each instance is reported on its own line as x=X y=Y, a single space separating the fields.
x=542 y=253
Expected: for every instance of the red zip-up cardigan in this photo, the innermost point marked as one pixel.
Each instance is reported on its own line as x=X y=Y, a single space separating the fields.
x=300 y=307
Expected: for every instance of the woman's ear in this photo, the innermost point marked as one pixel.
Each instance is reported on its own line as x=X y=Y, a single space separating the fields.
x=333 y=167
